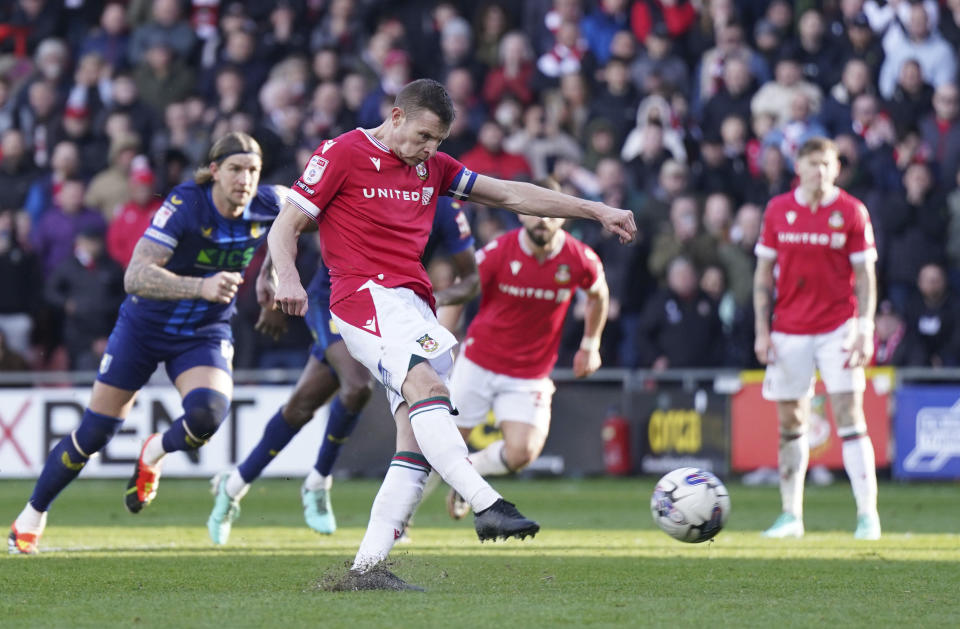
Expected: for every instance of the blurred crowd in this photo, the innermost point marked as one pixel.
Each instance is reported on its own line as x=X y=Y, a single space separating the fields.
x=688 y=112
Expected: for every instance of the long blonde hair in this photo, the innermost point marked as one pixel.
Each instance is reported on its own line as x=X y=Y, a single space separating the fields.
x=231 y=144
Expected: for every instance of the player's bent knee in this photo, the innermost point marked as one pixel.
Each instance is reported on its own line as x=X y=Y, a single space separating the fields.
x=204 y=410
x=298 y=412
x=791 y=418
x=355 y=393
x=519 y=456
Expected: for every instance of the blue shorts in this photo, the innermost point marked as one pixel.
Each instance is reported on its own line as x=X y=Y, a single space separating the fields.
x=322 y=327
x=135 y=348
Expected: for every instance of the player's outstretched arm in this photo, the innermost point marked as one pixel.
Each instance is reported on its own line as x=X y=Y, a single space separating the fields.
x=762 y=301
x=526 y=198
x=587 y=359
x=146 y=277
x=290 y=297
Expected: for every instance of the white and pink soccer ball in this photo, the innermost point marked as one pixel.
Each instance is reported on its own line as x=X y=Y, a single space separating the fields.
x=690 y=505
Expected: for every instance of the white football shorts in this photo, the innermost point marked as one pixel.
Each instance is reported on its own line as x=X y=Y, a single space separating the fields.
x=389 y=327
x=798 y=356
x=476 y=391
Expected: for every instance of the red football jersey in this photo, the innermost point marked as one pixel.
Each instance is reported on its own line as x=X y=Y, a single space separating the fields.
x=517 y=329
x=814 y=253
x=374 y=212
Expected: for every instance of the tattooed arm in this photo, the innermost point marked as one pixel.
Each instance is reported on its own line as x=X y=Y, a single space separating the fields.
x=146 y=277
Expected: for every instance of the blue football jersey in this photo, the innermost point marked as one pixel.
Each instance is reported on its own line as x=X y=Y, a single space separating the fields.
x=450 y=234
x=204 y=242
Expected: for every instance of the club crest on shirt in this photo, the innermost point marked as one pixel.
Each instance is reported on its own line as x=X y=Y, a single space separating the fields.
x=426 y=194
x=314 y=169
x=427 y=343
x=791 y=217
x=422 y=171
x=836 y=220
x=562 y=276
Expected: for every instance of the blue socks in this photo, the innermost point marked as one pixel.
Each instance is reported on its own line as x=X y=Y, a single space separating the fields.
x=340 y=424
x=276 y=435
x=70 y=455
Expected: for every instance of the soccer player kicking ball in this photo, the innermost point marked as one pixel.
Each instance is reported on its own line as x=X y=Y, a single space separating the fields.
x=821 y=240
x=373 y=194
x=182 y=285
x=331 y=370
x=528 y=278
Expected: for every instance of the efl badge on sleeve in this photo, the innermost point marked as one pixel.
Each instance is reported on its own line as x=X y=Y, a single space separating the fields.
x=427 y=343
x=162 y=216
x=314 y=170
x=422 y=171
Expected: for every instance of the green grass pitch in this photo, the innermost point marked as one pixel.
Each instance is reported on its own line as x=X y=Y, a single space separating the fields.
x=598 y=562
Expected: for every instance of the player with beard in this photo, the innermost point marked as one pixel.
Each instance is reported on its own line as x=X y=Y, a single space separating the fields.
x=528 y=278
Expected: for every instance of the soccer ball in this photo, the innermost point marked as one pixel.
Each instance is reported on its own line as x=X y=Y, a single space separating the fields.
x=690 y=504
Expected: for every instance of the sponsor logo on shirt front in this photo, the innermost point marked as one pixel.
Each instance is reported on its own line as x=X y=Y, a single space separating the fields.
x=804 y=238
x=393 y=193
x=560 y=295
x=427 y=195
x=223 y=259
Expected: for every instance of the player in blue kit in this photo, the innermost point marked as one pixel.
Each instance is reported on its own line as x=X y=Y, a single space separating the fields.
x=331 y=370
x=181 y=283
